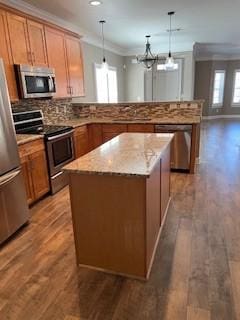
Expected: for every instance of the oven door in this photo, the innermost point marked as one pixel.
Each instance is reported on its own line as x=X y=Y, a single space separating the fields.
x=60 y=151
x=37 y=85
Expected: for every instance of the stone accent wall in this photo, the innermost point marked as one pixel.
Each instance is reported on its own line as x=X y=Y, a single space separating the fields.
x=139 y=110
x=60 y=110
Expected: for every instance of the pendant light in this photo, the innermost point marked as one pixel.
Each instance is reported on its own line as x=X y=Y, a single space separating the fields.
x=169 y=64
x=104 y=62
x=148 y=59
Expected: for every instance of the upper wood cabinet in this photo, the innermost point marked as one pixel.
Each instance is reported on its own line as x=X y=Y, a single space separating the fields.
x=37 y=43
x=5 y=54
x=26 y=40
x=75 y=67
x=18 y=35
x=57 y=59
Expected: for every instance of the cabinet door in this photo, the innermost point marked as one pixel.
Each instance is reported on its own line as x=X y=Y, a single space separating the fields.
x=57 y=59
x=39 y=174
x=26 y=172
x=75 y=66
x=109 y=135
x=37 y=43
x=95 y=135
x=81 y=144
x=19 y=39
x=5 y=54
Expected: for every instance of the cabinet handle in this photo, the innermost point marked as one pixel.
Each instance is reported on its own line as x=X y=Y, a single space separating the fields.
x=33 y=57
x=29 y=56
x=71 y=90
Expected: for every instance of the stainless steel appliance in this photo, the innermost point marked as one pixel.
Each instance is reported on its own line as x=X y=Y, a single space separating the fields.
x=35 y=82
x=58 y=141
x=181 y=144
x=13 y=202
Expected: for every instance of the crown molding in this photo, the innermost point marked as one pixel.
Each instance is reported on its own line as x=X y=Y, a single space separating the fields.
x=87 y=37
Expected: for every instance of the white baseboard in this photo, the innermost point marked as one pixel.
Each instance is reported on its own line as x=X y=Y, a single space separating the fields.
x=222 y=116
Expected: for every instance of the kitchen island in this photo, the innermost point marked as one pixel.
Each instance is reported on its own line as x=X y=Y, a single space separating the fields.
x=120 y=194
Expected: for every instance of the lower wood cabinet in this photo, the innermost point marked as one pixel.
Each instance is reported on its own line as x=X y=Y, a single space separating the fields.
x=110 y=131
x=145 y=128
x=81 y=141
x=34 y=169
x=95 y=136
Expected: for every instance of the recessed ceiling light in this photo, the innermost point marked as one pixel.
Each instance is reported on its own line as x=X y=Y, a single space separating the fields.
x=95 y=2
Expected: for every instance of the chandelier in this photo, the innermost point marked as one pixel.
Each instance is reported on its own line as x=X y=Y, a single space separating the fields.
x=148 y=59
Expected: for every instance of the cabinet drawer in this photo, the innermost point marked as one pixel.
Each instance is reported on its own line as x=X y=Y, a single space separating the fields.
x=80 y=130
x=141 y=128
x=118 y=128
x=31 y=147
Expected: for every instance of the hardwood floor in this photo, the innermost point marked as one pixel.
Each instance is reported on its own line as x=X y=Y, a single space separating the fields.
x=196 y=273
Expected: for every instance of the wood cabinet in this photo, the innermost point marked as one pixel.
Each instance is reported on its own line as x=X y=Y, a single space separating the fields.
x=5 y=54
x=110 y=131
x=37 y=43
x=145 y=128
x=18 y=36
x=57 y=59
x=29 y=40
x=75 y=66
x=34 y=169
x=81 y=141
x=95 y=135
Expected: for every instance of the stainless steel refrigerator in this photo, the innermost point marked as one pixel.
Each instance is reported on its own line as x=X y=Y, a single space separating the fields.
x=13 y=203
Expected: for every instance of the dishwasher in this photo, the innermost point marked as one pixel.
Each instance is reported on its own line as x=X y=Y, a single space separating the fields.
x=181 y=144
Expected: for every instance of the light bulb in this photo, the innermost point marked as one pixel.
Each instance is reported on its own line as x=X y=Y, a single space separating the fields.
x=104 y=67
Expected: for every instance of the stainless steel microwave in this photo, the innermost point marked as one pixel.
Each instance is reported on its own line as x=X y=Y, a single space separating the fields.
x=35 y=82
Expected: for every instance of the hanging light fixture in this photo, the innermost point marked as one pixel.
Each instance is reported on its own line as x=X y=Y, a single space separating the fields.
x=104 y=62
x=169 y=64
x=148 y=59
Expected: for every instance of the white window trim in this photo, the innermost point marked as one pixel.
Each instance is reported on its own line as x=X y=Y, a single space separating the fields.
x=97 y=65
x=234 y=104
x=218 y=105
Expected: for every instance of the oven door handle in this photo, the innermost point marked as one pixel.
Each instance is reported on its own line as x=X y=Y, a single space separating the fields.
x=60 y=135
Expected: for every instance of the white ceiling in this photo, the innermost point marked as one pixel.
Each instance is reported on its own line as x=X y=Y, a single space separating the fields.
x=214 y=22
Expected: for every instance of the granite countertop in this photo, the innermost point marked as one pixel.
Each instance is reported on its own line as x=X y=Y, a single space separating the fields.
x=129 y=154
x=78 y=122
x=25 y=138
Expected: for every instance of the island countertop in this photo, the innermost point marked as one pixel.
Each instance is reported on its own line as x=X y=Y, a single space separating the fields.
x=129 y=154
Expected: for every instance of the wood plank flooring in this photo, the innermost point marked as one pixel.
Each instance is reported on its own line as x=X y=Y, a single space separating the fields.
x=196 y=272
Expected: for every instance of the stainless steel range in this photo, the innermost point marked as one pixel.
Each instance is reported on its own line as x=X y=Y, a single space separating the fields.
x=58 y=141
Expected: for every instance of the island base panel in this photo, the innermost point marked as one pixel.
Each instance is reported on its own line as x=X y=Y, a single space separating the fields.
x=109 y=222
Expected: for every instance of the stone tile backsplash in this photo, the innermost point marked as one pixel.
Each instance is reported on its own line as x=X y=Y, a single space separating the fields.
x=60 y=110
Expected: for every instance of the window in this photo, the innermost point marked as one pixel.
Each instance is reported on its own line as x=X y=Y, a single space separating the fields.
x=218 y=87
x=106 y=84
x=236 y=88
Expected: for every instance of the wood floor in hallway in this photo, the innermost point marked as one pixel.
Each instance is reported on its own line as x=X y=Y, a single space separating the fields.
x=196 y=272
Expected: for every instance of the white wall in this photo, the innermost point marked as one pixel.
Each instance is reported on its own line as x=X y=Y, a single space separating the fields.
x=91 y=55
x=130 y=76
x=134 y=83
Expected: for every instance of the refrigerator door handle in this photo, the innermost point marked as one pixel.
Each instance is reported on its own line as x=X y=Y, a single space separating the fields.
x=9 y=177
